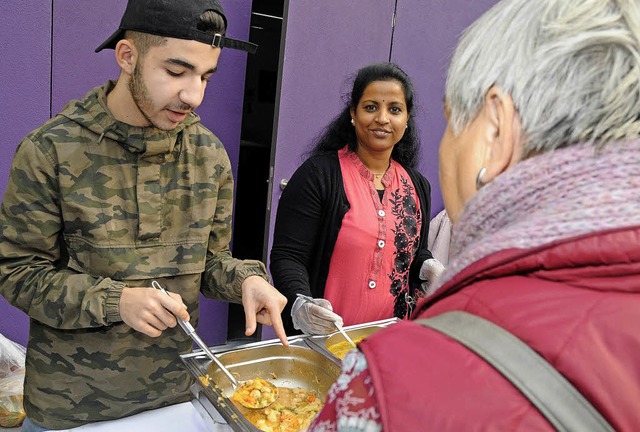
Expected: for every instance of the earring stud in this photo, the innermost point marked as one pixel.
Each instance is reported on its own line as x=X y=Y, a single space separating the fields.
x=479 y=182
x=353 y=122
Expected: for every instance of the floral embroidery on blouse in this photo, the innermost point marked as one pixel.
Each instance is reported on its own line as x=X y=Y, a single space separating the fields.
x=406 y=241
x=350 y=405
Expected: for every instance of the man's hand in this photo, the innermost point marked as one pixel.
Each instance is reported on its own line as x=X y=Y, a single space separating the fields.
x=150 y=311
x=264 y=304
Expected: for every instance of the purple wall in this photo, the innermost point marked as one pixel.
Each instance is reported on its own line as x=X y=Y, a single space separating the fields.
x=32 y=87
x=324 y=43
x=24 y=91
x=425 y=36
x=221 y=112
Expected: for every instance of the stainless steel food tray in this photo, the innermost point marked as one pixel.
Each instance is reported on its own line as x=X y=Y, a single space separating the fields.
x=295 y=366
x=321 y=343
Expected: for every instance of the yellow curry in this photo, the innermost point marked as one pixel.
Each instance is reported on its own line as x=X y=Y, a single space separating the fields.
x=341 y=349
x=255 y=393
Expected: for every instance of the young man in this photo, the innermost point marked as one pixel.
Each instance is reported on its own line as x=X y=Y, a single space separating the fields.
x=122 y=188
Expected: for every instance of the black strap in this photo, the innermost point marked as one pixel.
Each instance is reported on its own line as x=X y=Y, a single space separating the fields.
x=546 y=388
x=220 y=41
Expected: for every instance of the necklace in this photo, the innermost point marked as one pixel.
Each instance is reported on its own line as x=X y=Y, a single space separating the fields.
x=378 y=175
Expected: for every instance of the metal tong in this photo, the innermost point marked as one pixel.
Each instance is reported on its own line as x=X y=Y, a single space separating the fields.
x=189 y=330
x=338 y=326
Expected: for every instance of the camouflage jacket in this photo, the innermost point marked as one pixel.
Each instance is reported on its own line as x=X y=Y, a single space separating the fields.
x=94 y=205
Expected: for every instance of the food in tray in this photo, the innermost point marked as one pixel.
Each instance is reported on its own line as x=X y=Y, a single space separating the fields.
x=289 y=410
x=255 y=393
x=341 y=349
x=293 y=411
x=302 y=374
x=205 y=380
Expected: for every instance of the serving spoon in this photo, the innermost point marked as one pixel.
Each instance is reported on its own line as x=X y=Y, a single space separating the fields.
x=191 y=332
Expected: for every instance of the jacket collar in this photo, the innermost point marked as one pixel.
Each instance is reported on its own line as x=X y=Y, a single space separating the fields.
x=92 y=113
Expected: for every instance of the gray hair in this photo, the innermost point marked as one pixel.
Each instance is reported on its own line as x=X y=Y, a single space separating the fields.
x=572 y=68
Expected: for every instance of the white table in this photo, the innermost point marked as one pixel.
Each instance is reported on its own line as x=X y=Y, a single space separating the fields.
x=184 y=417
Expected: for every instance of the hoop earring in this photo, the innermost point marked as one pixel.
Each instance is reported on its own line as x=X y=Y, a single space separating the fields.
x=481 y=174
x=353 y=122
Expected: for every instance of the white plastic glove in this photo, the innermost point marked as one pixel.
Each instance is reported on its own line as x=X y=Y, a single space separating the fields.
x=314 y=319
x=430 y=273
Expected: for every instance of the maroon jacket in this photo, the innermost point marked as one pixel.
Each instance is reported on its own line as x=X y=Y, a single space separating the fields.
x=576 y=302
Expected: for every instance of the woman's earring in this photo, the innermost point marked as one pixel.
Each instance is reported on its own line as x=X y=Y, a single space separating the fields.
x=353 y=122
x=479 y=182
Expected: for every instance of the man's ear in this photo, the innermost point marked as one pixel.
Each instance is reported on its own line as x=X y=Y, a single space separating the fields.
x=126 y=55
x=503 y=140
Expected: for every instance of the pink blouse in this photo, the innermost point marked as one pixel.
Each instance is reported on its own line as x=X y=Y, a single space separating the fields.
x=369 y=270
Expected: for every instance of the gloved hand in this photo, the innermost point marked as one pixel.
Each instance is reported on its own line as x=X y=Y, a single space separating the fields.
x=314 y=319
x=430 y=273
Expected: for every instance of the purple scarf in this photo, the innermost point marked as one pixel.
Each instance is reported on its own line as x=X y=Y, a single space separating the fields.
x=549 y=197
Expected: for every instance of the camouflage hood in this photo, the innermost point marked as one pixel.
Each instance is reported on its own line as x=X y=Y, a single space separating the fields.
x=93 y=114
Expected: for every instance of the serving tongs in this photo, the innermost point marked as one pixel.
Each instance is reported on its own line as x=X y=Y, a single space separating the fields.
x=338 y=326
x=191 y=332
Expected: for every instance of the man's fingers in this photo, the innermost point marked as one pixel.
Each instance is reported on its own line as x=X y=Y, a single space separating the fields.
x=249 y=317
x=149 y=331
x=143 y=326
x=150 y=311
x=173 y=303
x=264 y=317
x=162 y=317
x=276 y=321
x=262 y=303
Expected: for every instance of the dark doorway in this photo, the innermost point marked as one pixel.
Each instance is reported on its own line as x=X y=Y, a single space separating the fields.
x=252 y=187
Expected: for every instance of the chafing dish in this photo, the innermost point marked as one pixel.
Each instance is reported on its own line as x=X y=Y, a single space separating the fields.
x=295 y=366
x=306 y=363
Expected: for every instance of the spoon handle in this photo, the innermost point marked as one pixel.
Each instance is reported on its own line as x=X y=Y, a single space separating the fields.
x=344 y=334
x=191 y=332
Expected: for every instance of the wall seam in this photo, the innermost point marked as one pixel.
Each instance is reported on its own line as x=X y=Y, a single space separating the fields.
x=393 y=28
x=51 y=63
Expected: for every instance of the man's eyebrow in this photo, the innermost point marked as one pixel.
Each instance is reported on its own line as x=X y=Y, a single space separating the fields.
x=189 y=66
x=182 y=63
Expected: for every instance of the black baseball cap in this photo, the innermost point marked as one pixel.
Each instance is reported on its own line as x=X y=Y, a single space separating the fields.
x=175 y=19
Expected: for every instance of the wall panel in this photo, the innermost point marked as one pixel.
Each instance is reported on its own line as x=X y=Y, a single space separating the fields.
x=425 y=35
x=324 y=44
x=25 y=50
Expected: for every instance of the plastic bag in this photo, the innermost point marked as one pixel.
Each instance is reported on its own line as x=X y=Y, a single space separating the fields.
x=11 y=383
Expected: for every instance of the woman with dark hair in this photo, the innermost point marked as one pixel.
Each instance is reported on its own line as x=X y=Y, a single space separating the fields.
x=352 y=224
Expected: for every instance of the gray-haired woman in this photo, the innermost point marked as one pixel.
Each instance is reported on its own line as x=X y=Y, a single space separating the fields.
x=540 y=172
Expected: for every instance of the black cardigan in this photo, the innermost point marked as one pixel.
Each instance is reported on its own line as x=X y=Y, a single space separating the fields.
x=308 y=220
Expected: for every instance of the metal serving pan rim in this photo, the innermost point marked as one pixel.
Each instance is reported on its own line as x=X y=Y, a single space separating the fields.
x=318 y=342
